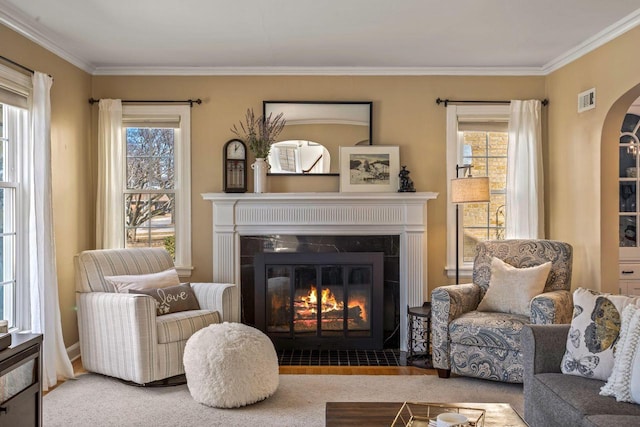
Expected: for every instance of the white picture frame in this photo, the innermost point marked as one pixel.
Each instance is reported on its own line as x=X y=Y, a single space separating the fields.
x=369 y=168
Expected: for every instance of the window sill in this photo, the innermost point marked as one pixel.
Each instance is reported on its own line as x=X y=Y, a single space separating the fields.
x=184 y=271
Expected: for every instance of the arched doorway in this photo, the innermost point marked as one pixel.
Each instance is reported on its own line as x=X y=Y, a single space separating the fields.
x=610 y=189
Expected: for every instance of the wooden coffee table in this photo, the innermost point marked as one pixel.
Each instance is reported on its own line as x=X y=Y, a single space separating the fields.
x=373 y=414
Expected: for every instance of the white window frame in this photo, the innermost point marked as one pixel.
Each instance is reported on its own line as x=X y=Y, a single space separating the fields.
x=455 y=114
x=22 y=86
x=182 y=175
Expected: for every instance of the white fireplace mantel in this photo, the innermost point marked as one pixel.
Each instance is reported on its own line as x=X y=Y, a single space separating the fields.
x=252 y=214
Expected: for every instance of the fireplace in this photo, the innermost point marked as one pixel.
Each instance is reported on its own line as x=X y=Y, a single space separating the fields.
x=236 y=216
x=320 y=301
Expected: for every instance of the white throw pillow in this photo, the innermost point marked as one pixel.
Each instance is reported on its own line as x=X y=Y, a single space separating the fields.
x=634 y=386
x=141 y=282
x=624 y=382
x=511 y=289
x=595 y=331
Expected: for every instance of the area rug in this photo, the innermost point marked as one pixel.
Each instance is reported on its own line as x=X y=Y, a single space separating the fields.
x=94 y=400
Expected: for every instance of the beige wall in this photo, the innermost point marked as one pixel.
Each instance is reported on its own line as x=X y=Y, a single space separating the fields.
x=404 y=113
x=581 y=180
x=70 y=147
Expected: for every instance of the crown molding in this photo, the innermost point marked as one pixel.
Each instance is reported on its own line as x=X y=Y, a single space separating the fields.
x=611 y=32
x=27 y=27
x=318 y=71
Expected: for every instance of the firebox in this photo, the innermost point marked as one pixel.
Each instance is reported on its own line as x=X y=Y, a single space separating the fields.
x=320 y=300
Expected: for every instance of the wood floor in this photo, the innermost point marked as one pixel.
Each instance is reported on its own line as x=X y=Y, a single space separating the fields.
x=356 y=370
x=78 y=369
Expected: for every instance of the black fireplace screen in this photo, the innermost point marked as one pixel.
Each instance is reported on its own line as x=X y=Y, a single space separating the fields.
x=329 y=300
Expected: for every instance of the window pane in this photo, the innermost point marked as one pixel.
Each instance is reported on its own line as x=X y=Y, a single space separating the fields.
x=7 y=292
x=628 y=161
x=627 y=231
x=7 y=208
x=477 y=141
x=486 y=152
x=150 y=158
x=498 y=144
x=628 y=197
x=7 y=278
x=3 y=154
x=7 y=260
x=497 y=173
x=497 y=216
x=149 y=220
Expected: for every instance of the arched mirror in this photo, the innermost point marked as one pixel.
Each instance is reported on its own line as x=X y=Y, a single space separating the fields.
x=314 y=133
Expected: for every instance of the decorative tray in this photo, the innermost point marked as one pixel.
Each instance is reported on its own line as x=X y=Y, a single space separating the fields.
x=414 y=414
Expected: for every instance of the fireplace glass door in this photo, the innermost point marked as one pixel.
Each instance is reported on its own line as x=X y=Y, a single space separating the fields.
x=326 y=302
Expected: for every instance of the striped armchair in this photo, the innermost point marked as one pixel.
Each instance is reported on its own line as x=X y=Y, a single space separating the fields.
x=487 y=344
x=120 y=334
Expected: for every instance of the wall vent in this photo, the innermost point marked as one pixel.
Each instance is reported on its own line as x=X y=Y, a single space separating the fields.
x=587 y=100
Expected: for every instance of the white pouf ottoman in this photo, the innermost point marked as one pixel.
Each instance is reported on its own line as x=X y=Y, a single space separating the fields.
x=229 y=365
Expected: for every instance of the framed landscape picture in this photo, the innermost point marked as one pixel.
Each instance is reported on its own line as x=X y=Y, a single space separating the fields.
x=369 y=168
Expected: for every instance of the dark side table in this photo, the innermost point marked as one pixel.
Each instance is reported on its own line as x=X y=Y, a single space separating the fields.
x=21 y=367
x=418 y=347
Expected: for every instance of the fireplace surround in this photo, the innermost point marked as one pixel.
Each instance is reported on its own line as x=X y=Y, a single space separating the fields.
x=335 y=214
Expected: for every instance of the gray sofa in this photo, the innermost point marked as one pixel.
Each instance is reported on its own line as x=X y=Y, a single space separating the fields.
x=554 y=399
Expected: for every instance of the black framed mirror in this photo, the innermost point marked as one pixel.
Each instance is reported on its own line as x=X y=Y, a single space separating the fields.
x=314 y=132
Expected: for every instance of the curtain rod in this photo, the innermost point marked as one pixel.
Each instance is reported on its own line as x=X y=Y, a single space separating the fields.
x=451 y=101
x=27 y=69
x=148 y=101
x=4 y=58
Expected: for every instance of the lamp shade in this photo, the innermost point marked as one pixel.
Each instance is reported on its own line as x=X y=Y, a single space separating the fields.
x=470 y=190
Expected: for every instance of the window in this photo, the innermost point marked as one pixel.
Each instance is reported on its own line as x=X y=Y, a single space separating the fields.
x=157 y=193
x=14 y=89
x=477 y=136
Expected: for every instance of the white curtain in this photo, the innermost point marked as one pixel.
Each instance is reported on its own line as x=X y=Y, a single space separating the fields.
x=110 y=206
x=525 y=198
x=43 y=278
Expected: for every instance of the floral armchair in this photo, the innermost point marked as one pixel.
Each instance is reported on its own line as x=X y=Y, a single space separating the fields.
x=487 y=344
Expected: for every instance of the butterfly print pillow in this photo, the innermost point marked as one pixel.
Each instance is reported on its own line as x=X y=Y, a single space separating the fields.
x=594 y=333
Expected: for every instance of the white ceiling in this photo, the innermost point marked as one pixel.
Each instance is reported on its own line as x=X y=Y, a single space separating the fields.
x=320 y=36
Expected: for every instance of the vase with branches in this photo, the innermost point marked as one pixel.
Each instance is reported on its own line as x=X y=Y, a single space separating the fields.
x=259 y=133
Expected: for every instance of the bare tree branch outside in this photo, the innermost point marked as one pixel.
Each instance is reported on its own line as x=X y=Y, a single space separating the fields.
x=149 y=199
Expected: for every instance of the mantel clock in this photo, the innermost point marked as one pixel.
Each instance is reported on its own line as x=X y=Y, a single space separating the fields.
x=235 y=167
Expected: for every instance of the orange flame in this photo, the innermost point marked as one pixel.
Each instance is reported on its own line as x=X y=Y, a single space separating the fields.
x=329 y=302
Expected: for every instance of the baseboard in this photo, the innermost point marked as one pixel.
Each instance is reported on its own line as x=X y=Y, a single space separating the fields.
x=73 y=351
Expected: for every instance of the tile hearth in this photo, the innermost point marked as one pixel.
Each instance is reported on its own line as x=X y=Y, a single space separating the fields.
x=387 y=357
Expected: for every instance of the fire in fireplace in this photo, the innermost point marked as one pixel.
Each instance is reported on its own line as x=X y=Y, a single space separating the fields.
x=332 y=311
x=328 y=300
